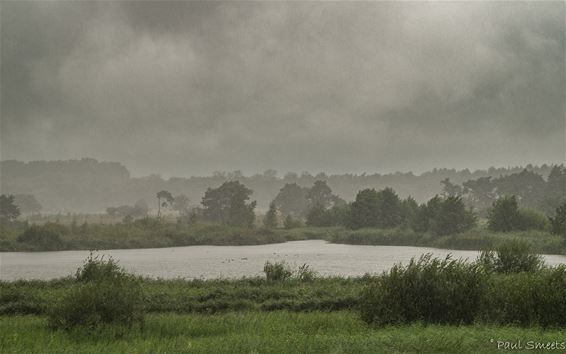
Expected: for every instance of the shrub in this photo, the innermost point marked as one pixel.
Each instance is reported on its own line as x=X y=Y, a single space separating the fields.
x=305 y=273
x=292 y=223
x=532 y=220
x=527 y=299
x=45 y=237
x=429 y=290
x=96 y=268
x=505 y=216
x=104 y=294
x=277 y=271
x=318 y=216
x=512 y=256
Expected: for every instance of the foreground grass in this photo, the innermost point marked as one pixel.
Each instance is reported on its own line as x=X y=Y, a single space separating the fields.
x=255 y=332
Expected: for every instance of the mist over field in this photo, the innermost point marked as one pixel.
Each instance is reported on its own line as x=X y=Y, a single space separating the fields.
x=189 y=88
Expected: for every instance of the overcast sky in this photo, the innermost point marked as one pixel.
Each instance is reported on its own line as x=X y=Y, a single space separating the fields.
x=187 y=88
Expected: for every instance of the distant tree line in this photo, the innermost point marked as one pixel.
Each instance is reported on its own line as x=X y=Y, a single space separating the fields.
x=529 y=188
x=90 y=186
x=384 y=209
x=441 y=215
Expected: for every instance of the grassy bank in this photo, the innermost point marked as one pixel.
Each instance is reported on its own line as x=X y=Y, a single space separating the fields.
x=476 y=239
x=200 y=296
x=526 y=299
x=152 y=233
x=146 y=233
x=275 y=332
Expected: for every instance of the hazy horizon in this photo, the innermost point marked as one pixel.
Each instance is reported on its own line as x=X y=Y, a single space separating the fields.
x=282 y=173
x=189 y=88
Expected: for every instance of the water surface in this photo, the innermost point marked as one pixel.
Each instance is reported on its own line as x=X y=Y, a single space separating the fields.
x=228 y=261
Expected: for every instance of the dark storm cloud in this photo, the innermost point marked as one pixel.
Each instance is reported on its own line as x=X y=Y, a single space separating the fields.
x=190 y=87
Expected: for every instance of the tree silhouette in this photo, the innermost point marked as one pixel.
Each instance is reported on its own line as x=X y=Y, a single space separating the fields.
x=167 y=200
x=8 y=209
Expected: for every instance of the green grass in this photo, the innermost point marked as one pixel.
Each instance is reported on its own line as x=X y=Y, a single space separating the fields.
x=200 y=296
x=145 y=233
x=255 y=332
x=476 y=239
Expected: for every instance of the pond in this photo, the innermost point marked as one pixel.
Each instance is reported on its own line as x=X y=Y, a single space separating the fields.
x=228 y=261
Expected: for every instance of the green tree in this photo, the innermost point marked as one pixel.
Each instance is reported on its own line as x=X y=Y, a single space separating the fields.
x=528 y=187
x=480 y=193
x=504 y=215
x=292 y=200
x=167 y=200
x=451 y=217
x=420 y=222
x=227 y=204
x=318 y=216
x=364 y=210
x=270 y=219
x=450 y=189
x=555 y=192
x=410 y=209
x=558 y=222
x=443 y=216
x=339 y=215
x=389 y=209
x=381 y=209
x=320 y=194
x=9 y=211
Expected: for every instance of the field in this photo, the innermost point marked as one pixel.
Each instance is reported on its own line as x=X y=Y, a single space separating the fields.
x=274 y=332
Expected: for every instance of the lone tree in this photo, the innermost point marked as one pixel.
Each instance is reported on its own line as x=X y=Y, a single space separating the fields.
x=228 y=205
x=167 y=200
x=9 y=211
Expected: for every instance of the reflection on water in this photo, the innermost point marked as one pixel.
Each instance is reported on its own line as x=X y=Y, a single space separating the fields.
x=227 y=261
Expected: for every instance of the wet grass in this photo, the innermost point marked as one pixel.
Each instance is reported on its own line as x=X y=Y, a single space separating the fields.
x=274 y=332
x=200 y=296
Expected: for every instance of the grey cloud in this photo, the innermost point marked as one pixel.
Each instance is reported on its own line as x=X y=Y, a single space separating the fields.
x=191 y=87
